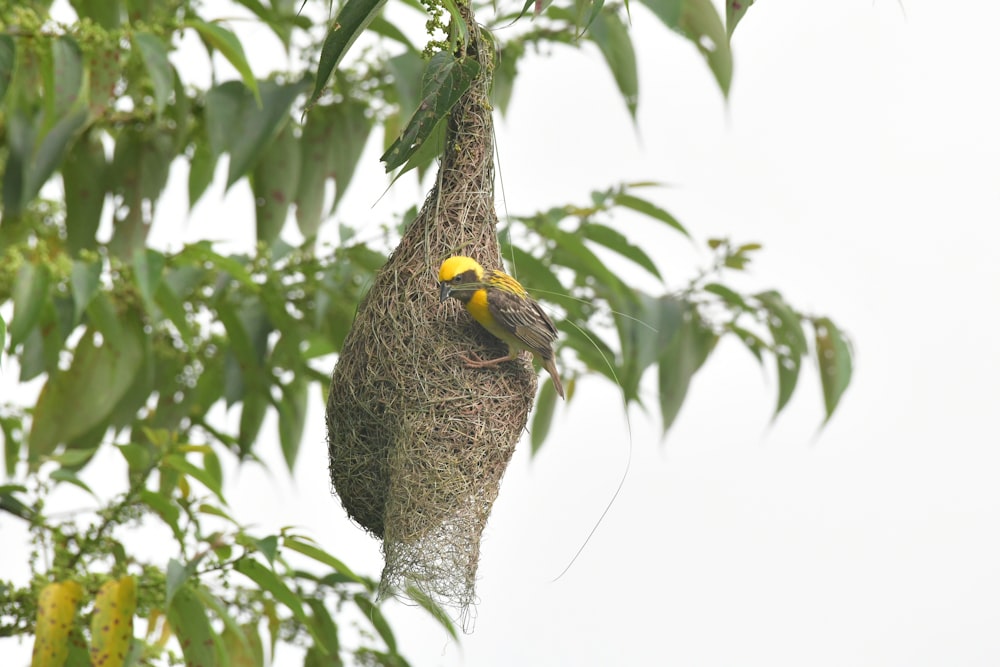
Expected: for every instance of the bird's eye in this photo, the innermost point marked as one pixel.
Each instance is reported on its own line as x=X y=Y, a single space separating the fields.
x=456 y=279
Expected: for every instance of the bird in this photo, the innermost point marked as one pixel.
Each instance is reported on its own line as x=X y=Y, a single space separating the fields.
x=503 y=307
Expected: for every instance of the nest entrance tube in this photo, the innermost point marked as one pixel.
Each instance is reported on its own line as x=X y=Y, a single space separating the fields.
x=418 y=442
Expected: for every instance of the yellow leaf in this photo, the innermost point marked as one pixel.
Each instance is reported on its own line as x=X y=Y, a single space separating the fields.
x=56 y=608
x=111 y=626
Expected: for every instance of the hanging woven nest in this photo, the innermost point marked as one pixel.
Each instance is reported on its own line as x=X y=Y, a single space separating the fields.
x=418 y=442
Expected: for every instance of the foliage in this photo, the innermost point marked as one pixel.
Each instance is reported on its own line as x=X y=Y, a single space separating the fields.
x=140 y=352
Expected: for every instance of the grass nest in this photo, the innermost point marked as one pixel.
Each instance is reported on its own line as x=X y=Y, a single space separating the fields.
x=418 y=442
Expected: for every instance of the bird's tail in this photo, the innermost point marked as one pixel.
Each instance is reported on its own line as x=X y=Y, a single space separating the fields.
x=550 y=365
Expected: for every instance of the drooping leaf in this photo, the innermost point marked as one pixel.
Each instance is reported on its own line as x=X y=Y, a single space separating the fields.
x=833 y=352
x=611 y=35
x=201 y=173
x=189 y=620
x=111 y=624
x=8 y=58
x=228 y=44
x=177 y=576
x=68 y=405
x=645 y=328
x=699 y=21
x=315 y=171
x=728 y=295
x=139 y=173
x=84 y=182
x=679 y=361
x=67 y=77
x=105 y=13
x=445 y=80
x=270 y=582
x=182 y=465
x=735 y=10
x=790 y=344
x=352 y=19
x=31 y=292
x=161 y=73
x=275 y=184
x=242 y=646
x=433 y=608
x=321 y=556
x=105 y=63
x=30 y=163
x=325 y=629
x=541 y=422
x=351 y=127
x=70 y=477
x=257 y=126
x=292 y=418
x=649 y=209
x=614 y=240
x=375 y=617
x=147 y=266
x=57 y=604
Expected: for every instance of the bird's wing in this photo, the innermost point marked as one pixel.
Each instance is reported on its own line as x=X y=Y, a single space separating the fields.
x=523 y=318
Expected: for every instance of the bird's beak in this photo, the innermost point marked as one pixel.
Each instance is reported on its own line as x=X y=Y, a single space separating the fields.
x=445 y=291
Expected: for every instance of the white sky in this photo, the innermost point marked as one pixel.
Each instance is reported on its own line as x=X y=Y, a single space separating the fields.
x=862 y=148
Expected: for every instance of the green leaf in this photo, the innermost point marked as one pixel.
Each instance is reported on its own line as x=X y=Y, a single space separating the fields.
x=216 y=37
x=189 y=621
x=542 y=421
x=67 y=76
x=177 y=575
x=202 y=171
x=645 y=328
x=680 y=360
x=351 y=127
x=833 y=352
x=269 y=547
x=105 y=63
x=445 y=81
x=29 y=165
x=170 y=513
x=258 y=126
x=68 y=476
x=106 y=13
x=269 y=581
x=316 y=155
x=504 y=75
x=611 y=35
x=3 y=338
x=8 y=58
x=352 y=19
x=700 y=23
x=161 y=74
x=433 y=608
x=751 y=341
x=147 y=265
x=31 y=292
x=292 y=418
x=179 y=463
x=321 y=556
x=374 y=615
x=649 y=209
x=407 y=71
x=728 y=296
x=275 y=184
x=324 y=628
x=614 y=240
x=782 y=317
x=735 y=9
x=84 y=175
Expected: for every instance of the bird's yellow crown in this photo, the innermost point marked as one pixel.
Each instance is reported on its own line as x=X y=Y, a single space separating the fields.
x=455 y=266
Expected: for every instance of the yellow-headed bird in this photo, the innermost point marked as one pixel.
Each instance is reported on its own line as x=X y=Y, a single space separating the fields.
x=499 y=303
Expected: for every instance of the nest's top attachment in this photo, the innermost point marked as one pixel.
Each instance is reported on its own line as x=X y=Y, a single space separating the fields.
x=419 y=442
